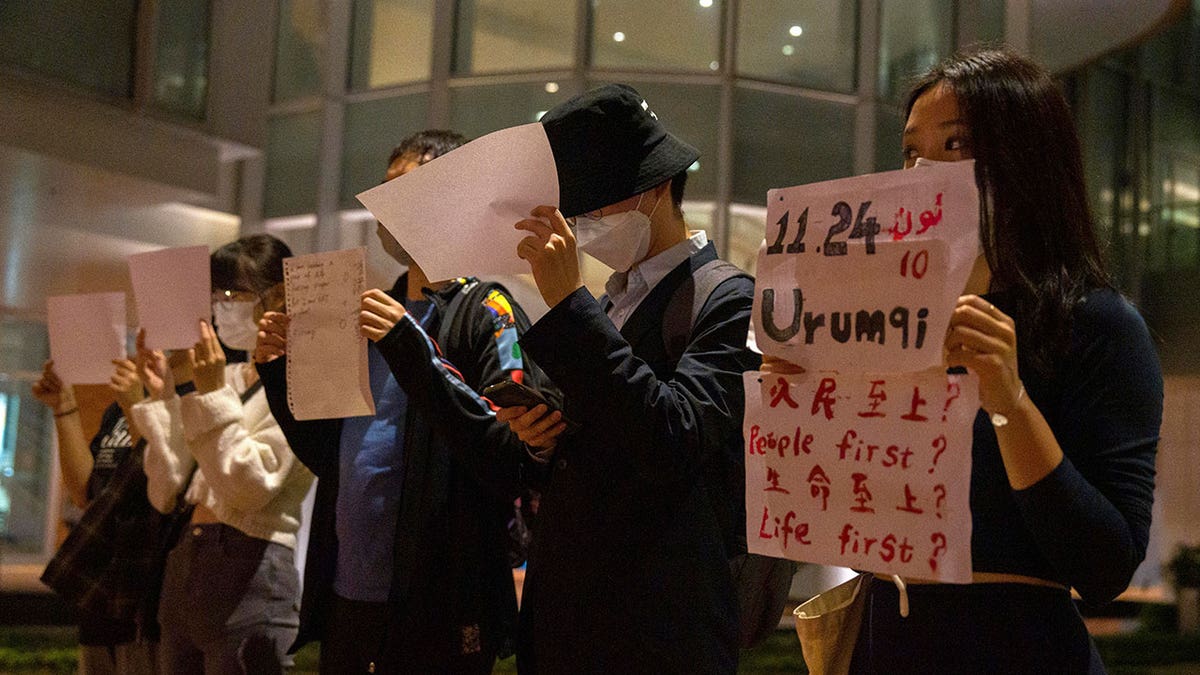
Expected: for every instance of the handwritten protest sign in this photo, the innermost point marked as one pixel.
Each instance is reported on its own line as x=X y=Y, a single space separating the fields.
x=327 y=371
x=86 y=333
x=865 y=471
x=172 y=288
x=455 y=215
x=860 y=274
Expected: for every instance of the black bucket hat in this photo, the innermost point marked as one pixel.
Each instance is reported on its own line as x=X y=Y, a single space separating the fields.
x=608 y=146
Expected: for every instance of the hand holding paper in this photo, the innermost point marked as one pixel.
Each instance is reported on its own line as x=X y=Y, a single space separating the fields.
x=380 y=313
x=454 y=215
x=52 y=392
x=272 y=337
x=550 y=250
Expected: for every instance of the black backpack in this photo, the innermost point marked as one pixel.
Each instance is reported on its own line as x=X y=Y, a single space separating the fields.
x=472 y=294
x=761 y=582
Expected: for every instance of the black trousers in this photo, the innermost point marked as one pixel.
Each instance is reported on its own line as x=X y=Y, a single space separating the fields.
x=363 y=637
x=974 y=628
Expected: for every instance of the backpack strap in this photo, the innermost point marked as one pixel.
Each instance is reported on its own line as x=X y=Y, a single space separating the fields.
x=685 y=305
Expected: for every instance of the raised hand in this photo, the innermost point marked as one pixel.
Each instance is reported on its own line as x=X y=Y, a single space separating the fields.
x=152 y=369
x=53 y=392
x=378 y=314
x=126 y=384
x=550 y=250
x=207 y=360
x=272 y=337
x=983 y=339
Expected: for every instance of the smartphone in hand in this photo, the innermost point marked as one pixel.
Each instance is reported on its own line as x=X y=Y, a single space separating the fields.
x=509 y=394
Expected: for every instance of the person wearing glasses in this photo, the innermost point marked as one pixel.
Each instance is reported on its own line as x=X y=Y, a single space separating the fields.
x=230 y=589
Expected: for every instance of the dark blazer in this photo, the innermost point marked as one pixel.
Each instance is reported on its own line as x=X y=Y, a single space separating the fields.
x=628 y=572
x=452 y=601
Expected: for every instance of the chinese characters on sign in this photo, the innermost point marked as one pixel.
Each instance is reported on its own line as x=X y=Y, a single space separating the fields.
x=864 y=471
x=864 y=460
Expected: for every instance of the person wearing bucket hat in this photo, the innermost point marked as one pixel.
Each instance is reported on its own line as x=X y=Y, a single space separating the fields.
x=628 y=571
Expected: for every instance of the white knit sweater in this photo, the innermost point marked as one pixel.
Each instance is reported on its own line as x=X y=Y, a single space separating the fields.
x=246 y=475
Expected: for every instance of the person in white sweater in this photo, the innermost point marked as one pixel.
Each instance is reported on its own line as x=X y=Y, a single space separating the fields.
x=230 y=591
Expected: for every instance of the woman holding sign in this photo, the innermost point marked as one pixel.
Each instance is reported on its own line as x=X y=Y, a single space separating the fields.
x=1070 y=389
x=230 y=588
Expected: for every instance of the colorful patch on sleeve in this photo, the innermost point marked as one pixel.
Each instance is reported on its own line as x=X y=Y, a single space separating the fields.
x=505 y=332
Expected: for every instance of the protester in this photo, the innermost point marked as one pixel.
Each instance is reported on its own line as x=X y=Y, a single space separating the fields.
x=230 y=588
x=106 y=645
x=408 y=567
x=629 y=568
x=1062 y=474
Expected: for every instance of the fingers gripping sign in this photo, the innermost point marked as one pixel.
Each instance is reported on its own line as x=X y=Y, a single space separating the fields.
x=52 y=392
x=272 y=337
x=208 y=361
x=125 y=383
x=983 y=339
x=379 y=314
x=550 y=251
x=152 y=369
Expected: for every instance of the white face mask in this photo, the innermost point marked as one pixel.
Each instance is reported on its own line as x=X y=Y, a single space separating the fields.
x=235 y=324
x=619 y=240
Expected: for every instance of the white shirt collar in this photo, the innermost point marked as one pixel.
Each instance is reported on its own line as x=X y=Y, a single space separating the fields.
x=646 y=274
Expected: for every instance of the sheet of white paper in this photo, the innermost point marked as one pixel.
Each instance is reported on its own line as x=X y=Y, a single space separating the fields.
x=455 y=215
x=865 y=471
x=173 y=292
x=831 y=294
x=327 y=372
x=86 y=333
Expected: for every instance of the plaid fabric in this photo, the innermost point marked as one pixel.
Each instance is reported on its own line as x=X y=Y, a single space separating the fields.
x=112 y=562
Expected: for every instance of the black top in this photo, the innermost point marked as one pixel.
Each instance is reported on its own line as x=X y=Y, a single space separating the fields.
x=628 y=571
x=1087 y=523
x=109 y=447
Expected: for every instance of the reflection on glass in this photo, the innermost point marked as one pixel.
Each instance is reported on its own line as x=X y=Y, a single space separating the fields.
x=782 y=140
x=915 y=35
x=809 y=44
x=674 y=35
x=293 y=153
x=82 y=42
x=475 y=111
x=495 y=35
x=26 y=436
x=391 y=42
x=297 y=48
x=691 y=112
x=181 y=57
x=373 y=128
x=889 y=126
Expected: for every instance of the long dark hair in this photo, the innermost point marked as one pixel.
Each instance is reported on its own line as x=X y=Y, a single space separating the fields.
x=1037 y=230
x=252 y=263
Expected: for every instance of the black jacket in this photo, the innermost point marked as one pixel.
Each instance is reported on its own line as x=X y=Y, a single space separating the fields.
x=451 y=579
x=628 y=572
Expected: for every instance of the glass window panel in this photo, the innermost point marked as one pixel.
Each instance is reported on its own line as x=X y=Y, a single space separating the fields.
x=84 y=42
x=476 y=111
x=747 y=226
x=26 y=434
x=297 y=41
x=373 y=128
x=782 y=140
x=691 y=112
x=889 y=125
x=810 y=44
x=293 y=154
x=391 y=42
x=181 y=57
x=916 y=34
x=498 y=35
x=671 y=35
x=991 y=20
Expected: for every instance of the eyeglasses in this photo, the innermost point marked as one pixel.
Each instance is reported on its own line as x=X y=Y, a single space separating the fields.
x=236 y=296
